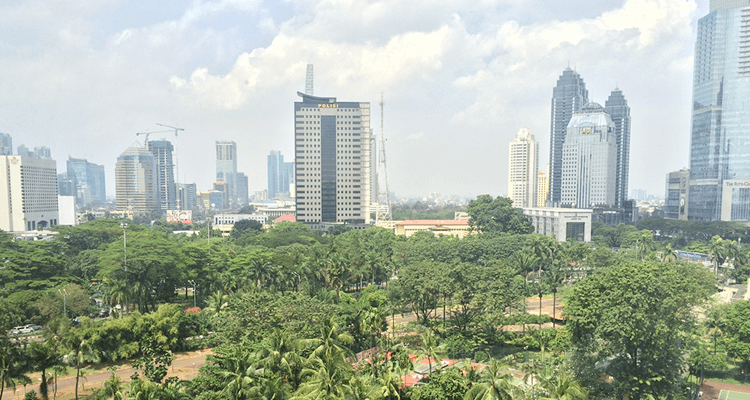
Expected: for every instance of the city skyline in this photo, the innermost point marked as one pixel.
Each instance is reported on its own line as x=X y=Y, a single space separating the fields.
x=498 y=61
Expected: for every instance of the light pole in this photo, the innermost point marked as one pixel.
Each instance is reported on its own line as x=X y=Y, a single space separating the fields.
x=64 y=294
x=192 y=282
x=124 y=245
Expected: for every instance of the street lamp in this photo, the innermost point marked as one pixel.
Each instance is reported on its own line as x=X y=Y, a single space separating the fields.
x=64 y=294
x=192 y=282
x=124 y=245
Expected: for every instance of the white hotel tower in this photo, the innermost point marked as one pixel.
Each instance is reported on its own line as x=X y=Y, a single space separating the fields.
x=523 y=170
x=589 y=159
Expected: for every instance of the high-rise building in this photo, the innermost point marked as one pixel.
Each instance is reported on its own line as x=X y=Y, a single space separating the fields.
x=719 y=149
x=677 y=193
x=523 y=170
x=226 y=168
x=241 y=191
x=136 y=182
x=42 y=152
x=332 y=158
x=6 y=144
x=568 y=96
x=589 y=159
x=162 y=151
x=88 y=181
x=542 y=188
x=187 y=194
x=28 y=193
x=65 y=185
x=278 y=175
x=24 y=151
x=617 y=108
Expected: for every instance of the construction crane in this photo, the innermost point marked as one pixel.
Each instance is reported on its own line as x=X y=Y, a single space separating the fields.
x=176 y=160
x=145 y=142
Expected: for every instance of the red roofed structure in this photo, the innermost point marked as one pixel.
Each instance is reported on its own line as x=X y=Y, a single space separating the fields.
x=285 y=218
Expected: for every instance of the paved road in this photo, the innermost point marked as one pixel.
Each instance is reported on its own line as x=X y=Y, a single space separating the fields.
x=185 y=366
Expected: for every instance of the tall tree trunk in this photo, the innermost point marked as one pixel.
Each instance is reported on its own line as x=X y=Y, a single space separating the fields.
x=43 y=390
x=78 y=375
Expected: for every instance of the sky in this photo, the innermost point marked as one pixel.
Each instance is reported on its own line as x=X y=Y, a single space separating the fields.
x=459 y=79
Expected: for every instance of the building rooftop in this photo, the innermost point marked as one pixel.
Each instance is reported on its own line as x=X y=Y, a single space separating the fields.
x=434 y=222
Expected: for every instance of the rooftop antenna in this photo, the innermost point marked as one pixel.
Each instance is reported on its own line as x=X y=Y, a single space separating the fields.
x=383 y=216
x=309 y=80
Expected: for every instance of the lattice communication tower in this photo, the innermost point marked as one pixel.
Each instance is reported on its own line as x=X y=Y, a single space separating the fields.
x=383 y=215
x=309 y=80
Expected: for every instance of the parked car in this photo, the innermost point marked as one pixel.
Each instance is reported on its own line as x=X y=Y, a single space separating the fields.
x=21 y=330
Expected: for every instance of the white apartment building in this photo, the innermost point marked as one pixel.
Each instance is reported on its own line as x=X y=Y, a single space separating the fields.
x=332 y=160
x=523 y=169
x=589 y=159
x=28 y=194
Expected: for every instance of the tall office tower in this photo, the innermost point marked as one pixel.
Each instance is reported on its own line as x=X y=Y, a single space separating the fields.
x=65 y=185
x=241 y=191
x=542 y=188
x=226 y=168
x=589 y=159
x=278 y=179
x=187 y=194
x=24 y=151
x=28 y=193
x=136 y=182
x=523 y=170
x=617 y=108
x=88 y=181
x=6 y=144
x=289 y=177
x=568 y=96
x=677 y=193
x=719 y=147
x=332 y=156
x=162 y=151
x=42 y=152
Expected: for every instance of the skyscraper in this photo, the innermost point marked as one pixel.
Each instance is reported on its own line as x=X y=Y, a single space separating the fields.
x=162 y=151
x=28 y=193
x=187 y=194
x=226 y=168
x=88 y=181
x=332 y=158
x=617 y=108
x=568 y=96
x=6 y=144
x=275 y=162
x=523 y=170
x=542 y=187
x=242 y=190
x=589 y=159
x=719 y=146
x=136 y=182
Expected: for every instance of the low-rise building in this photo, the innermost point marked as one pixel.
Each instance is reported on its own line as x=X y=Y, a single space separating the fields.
x=562 y=223
x=448 y=227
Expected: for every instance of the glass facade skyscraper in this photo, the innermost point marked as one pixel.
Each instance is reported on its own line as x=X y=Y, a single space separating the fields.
x=226 y=168
x=162 y=151
x=720 y=131
x=88 y=183
x=568 y=96
x=617 y=108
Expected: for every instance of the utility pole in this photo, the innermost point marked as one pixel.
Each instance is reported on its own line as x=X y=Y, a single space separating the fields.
x=383 y=216
x=124 y=245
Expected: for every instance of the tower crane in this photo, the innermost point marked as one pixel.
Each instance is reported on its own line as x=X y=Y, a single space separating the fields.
x=145 y=142
x=176 y=160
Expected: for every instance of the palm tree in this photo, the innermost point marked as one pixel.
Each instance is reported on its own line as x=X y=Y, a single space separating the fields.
x=324 y=378
x=43 y=357
x=240 y=377
x=117 y=291
x=496 y=383
x=669 y=254
x=524 y=262
x=429 y=345
x=281 y=357
x=643 y=243
x=553 y=278
x=564 y=386
x=217 y=302
x=12 y=370
x=80 y=353
x=331 y=343
x=717 y=250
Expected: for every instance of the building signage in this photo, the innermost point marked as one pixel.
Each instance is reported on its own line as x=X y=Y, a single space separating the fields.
x=184 y=216
x=328 y=105
x=737 y=183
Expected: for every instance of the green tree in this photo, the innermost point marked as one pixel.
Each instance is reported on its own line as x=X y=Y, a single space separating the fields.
x=12 y=365
x=245 y=225
x=418 y=286
x=80 y=353
x=737 y=332
x=495 y=383
x=43 y=357
x=497 y=215
x=634 y=315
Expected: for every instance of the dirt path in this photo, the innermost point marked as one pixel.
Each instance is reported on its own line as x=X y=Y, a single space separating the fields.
x=185 y=366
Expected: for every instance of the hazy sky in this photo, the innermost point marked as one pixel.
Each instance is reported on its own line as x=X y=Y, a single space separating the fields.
x=460 y=78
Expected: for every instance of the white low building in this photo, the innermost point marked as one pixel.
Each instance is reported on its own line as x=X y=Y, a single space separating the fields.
x=562 y=223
